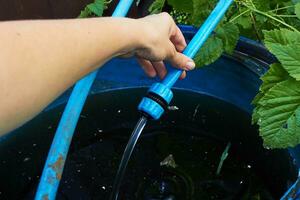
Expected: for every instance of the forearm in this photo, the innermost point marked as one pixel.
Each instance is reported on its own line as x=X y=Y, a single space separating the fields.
x=41 y=59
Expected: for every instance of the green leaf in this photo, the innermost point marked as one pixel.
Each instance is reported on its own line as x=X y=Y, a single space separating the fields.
x=278 y=112
x=244 y=21
x=182 y=5
x=97 y=7
x=229 y=33
x=285 y=45
x=289 y=136
x=85 y=13
x=281 y=36
x=200 y=12
x=157 y=6
x=275 y=75
x=210 y=52
x=297 y=10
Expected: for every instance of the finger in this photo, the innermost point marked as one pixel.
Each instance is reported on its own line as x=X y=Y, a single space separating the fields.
x=147 y=67
x=179 y=60
x=160 y=69
x=127 y=55
x=178 y=39
x=183 y=75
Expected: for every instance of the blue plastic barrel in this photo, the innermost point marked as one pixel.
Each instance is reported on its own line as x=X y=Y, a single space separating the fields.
x=232 y=80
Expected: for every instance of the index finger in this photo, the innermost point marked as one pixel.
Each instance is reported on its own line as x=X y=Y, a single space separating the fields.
x=178 y=39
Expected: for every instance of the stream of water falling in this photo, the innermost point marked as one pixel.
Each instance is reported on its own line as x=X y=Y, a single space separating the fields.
x=126 y=156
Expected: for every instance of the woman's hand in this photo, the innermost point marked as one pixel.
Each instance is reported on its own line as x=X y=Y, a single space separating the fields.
x=160 y=39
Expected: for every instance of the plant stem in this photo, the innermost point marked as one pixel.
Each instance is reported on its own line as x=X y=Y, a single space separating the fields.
x=275 y=19
x=286 y=16
x=282 y=8
x=255 y=27
x=108 y=2
x=239 y=15
x=271 y=17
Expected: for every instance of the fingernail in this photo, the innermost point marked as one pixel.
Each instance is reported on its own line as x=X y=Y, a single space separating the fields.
x=190 y=65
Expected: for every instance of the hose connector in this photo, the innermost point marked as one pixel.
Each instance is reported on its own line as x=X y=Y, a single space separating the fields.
x=156 y=102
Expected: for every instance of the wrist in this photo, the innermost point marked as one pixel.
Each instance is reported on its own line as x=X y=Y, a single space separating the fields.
x=132 y=33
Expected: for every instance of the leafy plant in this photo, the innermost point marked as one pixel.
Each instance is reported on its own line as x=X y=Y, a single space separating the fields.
x=94 y=9
x=276 y=23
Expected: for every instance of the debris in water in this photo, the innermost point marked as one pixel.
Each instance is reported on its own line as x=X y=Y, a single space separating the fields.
x=173 y=108
x=196 y=111
x=223 y=158
x=26 y=159
x=34 y=145
x=249 y=166
x=119 y=111
x=169 y=161
x=103 y=187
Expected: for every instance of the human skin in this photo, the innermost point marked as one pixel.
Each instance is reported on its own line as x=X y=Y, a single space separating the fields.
x=40 y=59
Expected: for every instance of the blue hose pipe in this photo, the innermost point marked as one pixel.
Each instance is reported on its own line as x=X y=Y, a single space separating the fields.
x=53 y=168
x=160 y=94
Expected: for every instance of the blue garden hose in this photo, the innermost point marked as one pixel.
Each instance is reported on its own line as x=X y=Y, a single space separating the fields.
x=59 y=149
x=160 y=95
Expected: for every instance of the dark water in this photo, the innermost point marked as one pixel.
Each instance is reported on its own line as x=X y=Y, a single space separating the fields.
x=90 y=172
x=195 y=135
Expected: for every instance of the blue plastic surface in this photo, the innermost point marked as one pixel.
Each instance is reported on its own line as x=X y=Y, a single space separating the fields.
x=193 y=47
x=151 y=107
x=58 y=152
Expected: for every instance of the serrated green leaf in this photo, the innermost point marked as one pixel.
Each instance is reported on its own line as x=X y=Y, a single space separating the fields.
x=182 y=5
x=157 y=6
x=277 y=115
x=297 y=10
x=229 y=33
x=281 y=36
x=210 y=52
x=285 y=45
x=289 y=57
x=275 y=75
x=97 y=7
x=289 y=135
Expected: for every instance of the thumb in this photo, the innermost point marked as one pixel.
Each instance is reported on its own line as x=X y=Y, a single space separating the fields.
x=180 y=60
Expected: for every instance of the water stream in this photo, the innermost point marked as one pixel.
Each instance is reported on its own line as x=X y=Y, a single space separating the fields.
x=126 y=156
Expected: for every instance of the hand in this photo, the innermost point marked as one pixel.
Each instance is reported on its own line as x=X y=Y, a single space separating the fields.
x=160 y=40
